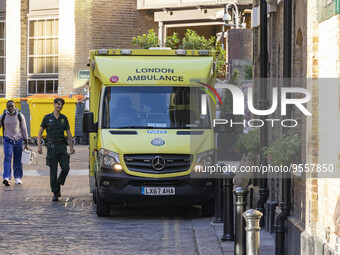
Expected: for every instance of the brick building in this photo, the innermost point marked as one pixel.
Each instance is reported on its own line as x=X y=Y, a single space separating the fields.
x=315 y=54
x=44 y=45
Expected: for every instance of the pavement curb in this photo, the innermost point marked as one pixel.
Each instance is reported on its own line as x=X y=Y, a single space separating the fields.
x=206 y=239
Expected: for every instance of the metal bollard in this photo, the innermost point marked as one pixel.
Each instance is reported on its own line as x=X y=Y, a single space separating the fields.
x=252 y=218
x=240 y=232
x=218 y=202
x=228 y=208
x=337 y=245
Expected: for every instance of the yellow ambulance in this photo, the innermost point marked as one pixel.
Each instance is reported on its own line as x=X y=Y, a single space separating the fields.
x=150 y=127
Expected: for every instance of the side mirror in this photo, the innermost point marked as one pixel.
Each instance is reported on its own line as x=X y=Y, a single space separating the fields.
x=88 y=125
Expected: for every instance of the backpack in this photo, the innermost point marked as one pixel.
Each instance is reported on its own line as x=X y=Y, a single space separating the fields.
x=3 y=120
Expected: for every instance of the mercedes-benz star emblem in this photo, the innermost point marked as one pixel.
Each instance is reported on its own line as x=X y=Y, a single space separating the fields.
x=158 y=163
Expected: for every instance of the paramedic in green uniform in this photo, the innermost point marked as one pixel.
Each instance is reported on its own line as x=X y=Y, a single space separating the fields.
x=55 y=124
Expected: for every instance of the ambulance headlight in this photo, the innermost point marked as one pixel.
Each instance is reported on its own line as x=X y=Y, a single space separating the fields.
x=108 y=158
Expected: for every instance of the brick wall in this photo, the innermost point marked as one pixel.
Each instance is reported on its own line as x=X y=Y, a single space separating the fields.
x=83 y=28
x=239 y=44
x=315 y=54
x=24 y=40
x=115 y=23
x=299 y=67
x=239 y=50
x=275 y=72
x=329 y=124
x=105 y=24
x=83 y=25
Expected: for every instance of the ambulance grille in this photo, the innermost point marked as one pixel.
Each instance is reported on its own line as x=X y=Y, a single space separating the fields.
x=152 y=163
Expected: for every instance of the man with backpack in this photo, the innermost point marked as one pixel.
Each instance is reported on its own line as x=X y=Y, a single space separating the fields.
x=15 y=135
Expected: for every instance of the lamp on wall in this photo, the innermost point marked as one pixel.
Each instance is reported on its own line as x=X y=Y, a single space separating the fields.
x=165 y=10
x=227 y=17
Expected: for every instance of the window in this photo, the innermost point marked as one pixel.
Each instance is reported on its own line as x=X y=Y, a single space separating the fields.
x=43 y=46
x=153 y=107
x=2 y=57
x=43 y=56
x=41 y=86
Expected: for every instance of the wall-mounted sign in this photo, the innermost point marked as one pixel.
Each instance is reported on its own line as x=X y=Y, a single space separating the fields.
x=327 y=9
x=83 y=74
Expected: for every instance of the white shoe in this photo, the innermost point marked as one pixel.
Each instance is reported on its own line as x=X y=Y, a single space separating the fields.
x=18 y=181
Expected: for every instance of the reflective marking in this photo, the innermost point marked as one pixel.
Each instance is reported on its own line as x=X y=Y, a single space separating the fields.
x=65 y=204
x=67 y=199
x=74 y=204
x=27 y=199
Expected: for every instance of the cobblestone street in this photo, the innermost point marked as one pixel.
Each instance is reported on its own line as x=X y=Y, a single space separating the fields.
x=31 y=223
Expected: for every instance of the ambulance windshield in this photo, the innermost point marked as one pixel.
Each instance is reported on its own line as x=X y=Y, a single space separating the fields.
x=165 y=107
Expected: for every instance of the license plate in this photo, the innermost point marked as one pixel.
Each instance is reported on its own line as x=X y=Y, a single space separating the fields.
x=158 y=191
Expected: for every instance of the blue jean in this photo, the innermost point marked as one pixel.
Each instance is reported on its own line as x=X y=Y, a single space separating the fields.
x=12 y=148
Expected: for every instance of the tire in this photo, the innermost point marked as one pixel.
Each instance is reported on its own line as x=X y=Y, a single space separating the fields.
x=95 y=196
x=36 y=141
x=208 y=208
x=103 y=208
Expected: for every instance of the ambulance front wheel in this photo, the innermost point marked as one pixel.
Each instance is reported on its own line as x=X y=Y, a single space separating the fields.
x=103 y=208
x=36 y=141
x=94 y=194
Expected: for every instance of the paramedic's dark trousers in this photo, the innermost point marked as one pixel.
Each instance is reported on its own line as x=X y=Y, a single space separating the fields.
x=57 y=153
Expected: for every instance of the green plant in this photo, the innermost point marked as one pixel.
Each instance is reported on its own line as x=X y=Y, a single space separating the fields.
x=146 y=40
x=284 y=150
x=193 y=41
x=234 y=77
x=172 y=41
x=249 y=143
x=249 y=72
x=220 y=61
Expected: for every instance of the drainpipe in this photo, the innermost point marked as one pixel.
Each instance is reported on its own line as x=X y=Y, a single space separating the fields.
x=285 y=205
x=263 y=192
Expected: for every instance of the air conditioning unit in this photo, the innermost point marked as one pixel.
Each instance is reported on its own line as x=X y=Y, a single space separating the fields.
x=255 y=17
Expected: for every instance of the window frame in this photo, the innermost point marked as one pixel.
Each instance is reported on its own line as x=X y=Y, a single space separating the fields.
x=55 y=90
x=56 y=36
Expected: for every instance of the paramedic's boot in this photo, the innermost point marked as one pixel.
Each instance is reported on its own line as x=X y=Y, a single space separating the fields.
x=56 y=195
